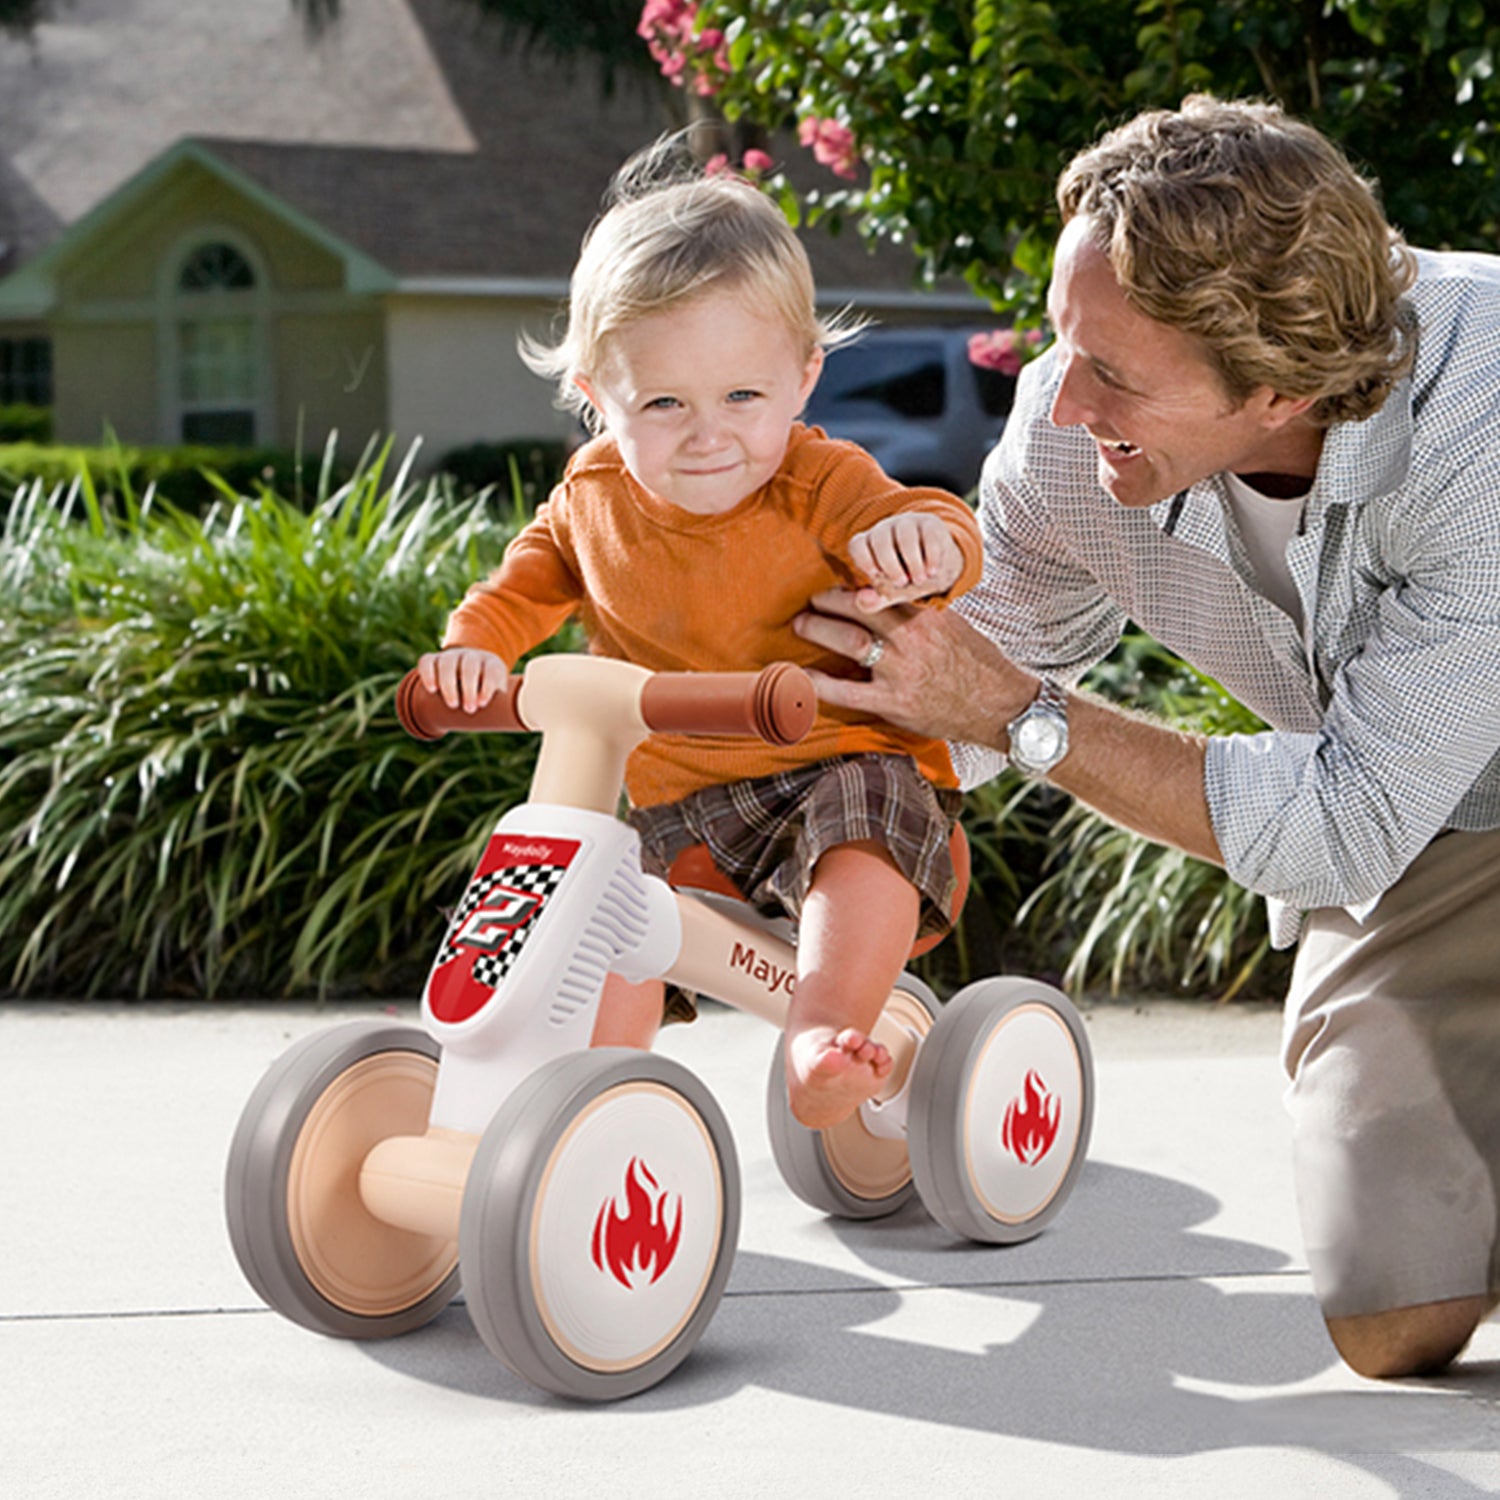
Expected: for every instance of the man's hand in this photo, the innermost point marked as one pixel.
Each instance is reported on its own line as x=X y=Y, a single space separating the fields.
x=464 y=676
x=934 y=673
x=908 y=556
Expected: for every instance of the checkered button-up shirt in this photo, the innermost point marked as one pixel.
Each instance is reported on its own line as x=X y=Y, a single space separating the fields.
x=1385 y=701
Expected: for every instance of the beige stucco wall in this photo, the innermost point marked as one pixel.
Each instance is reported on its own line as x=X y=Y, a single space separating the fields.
x=455 y=376
x=104 y=374
x=321 y=349
x=330 y=372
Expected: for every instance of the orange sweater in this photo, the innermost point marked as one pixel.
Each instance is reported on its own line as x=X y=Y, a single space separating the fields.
x=675 y=591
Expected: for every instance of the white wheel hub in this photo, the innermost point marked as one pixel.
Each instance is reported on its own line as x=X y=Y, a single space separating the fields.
x=627 y=1226
x=1023 y=1113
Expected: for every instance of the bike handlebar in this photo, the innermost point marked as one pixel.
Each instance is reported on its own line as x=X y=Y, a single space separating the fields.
x=776 y=704
x=424 y=715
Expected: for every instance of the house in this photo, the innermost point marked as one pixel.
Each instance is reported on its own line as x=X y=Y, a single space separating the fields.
x=217 y=231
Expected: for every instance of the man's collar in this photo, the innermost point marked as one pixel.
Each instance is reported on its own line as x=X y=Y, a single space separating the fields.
x=1364 y=460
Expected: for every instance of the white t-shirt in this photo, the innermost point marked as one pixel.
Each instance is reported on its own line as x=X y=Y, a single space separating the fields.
x=1267 y=524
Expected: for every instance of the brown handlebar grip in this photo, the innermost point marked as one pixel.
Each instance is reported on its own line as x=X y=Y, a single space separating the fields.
x=777 y=704
x=425 y=716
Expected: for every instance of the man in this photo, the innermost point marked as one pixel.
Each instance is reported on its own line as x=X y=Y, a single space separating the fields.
x=1269 y=434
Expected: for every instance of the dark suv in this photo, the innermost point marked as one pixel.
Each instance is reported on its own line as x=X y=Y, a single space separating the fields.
x=912 y=397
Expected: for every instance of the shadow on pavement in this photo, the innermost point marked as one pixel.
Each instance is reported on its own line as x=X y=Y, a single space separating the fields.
x=1166 y=1361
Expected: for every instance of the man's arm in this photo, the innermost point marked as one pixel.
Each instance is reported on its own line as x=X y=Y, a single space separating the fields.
x=939 y=676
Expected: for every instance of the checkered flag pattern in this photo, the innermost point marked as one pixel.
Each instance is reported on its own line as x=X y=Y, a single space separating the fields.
x=495 y=960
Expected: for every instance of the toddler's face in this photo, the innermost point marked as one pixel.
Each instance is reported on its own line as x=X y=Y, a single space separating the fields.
x=701 y=398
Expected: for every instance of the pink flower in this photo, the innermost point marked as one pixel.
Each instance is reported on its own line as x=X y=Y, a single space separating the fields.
x=753 y=165
x=995 y=351
x=672 y=17
x=832 y=145
x=1004 y=349
x=680 y=51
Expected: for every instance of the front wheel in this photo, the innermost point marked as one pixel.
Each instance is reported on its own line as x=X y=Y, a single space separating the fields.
x=599 y=1223
x=1001 y=1110
x=301 y=1233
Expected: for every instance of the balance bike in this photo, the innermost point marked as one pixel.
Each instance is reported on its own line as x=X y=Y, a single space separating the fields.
x=589 y=1198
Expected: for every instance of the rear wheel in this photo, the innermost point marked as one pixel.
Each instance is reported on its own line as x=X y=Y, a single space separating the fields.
x=846 y=1170
x=1001 y=1110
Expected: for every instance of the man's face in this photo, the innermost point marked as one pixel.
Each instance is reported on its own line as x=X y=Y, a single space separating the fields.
x=1158 y=413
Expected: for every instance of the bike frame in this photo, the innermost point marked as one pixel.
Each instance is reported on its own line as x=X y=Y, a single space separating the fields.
x=560 y=901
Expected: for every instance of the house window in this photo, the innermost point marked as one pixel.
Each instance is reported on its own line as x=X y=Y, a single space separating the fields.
x=216 y=267
x=218 y=346
x=25 y=372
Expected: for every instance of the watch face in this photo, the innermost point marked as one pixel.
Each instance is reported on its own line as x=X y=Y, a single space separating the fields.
x=1038 y=740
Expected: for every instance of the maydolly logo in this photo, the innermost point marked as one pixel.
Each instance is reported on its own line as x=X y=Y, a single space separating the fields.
x=631 y=1244
x=1031 y=1121
x=773 y=977
x=518 y=852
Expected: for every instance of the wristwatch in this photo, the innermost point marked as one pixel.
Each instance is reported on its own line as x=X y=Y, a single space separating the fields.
x=1039 y=733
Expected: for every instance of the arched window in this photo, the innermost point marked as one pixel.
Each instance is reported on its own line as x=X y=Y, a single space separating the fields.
x=215 y=266
x=218 y=317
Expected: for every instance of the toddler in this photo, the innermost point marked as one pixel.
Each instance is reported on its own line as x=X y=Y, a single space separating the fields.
x=687 y=536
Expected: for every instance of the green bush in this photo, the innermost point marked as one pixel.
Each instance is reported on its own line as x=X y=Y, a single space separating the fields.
x=25 y=424
x=191 y=477
x=203 y=787
x=204 y=790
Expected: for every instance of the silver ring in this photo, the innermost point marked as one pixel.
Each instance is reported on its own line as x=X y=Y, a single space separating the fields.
x=873 y=653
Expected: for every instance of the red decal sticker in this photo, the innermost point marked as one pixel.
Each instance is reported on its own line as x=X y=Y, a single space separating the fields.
x=1031 y=1122
x=629 y=1245
x=499 y=912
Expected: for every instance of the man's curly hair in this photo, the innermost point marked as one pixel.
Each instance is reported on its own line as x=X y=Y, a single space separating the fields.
x=1244 y=227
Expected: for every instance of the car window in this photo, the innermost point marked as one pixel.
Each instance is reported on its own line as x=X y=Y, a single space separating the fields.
x=997 y=391
x=904 y=376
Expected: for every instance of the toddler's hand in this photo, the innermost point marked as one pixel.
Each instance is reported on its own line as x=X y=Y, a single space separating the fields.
x=463 y=676
x=908 y=556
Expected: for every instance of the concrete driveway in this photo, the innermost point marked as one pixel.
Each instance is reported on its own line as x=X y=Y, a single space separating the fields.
x=1159 y=1339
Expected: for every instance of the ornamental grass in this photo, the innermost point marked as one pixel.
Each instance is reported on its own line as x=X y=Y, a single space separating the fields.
x=204 y=790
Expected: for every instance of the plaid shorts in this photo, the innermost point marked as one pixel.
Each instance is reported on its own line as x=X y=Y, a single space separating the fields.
x=768 y=833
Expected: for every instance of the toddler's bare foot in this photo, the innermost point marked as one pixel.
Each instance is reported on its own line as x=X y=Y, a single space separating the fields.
x=830 y=1074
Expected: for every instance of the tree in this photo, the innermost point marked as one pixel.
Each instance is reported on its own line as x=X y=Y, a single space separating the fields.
x=949 y=120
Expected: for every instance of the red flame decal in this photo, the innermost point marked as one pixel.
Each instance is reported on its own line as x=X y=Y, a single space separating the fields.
x=1031 y=1122
x=629 y=1245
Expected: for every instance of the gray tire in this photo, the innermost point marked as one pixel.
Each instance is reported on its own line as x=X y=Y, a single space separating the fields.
x=1001 y=1111
x=846 y=1171
x=300 y=1233
x=599 y=1223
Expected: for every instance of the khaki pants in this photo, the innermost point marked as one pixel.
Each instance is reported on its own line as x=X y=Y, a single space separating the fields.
x=1392 y=1043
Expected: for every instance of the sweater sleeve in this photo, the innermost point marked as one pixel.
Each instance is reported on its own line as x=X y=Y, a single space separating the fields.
x=525 y=600
x=854 y=493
